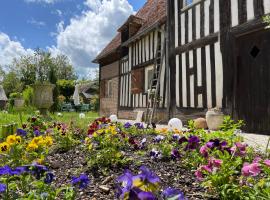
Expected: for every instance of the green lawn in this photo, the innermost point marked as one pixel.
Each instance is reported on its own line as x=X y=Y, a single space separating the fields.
x=66 y=117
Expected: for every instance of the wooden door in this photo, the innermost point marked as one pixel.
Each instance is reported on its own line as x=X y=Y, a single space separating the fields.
x=252 y=92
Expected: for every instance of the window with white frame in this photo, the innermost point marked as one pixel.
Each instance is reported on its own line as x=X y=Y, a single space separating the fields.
x=109 y=92
x=149 y=72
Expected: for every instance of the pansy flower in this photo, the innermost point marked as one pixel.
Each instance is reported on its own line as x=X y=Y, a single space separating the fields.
x=176 y=137
x=193 y=143
x=155 y=154
x=3 y=188
x=147 y=176
x=82 y=181
x=139 y=125
x=175 y=154
x=127 y=125
x=159 y=138
x=21 y=132
x=48 y=178
x=124 y=184
x=182 y=140
x=173 y=194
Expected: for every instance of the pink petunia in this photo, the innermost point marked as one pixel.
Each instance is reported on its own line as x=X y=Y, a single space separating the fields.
x=252 y=169
x=207 y=168
x=217 y=162
x=267 y=162
x=199 y=175
x=203 y=151
x=257 y=159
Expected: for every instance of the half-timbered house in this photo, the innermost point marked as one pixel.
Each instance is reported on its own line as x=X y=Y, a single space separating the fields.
x=130 y=57
x=217 y=55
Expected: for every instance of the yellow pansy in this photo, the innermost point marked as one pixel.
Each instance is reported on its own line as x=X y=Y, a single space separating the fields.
x=32 y=146
x=4 y=147
x=11 y=139
x=176 y=131
x=18 y=139
x=100 y=131
x=40 y=161
x=36 y=140
x=48 y=141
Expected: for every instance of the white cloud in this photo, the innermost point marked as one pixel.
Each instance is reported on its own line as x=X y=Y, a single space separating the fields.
x=10 y=49
x=87 y=34
x=41 y=1
x=36 y=23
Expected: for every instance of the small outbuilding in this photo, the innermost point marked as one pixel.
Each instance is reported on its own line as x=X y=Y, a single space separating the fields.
x=3 y=98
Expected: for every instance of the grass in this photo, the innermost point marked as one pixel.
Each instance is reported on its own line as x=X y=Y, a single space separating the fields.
x=67 y=117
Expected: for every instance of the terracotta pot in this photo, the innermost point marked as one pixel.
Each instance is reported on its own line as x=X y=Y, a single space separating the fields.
x=43 y=96
x=214 y=119
x=18 y=103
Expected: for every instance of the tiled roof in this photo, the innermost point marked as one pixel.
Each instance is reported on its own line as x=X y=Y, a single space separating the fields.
x=151 y=13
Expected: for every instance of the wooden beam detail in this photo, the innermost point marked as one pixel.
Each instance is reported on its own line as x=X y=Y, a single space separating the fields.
x=197 y=43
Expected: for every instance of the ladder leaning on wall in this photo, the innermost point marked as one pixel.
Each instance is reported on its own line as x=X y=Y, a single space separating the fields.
x=153 y=92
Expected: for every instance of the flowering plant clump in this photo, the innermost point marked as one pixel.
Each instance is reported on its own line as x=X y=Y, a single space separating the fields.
x=30 y=182
x=98 y=123
x=15 y=151
x=106 y=146
x=145 y=185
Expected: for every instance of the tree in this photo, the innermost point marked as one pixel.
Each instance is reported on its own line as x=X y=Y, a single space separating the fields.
x=66 y=87
x=36 y=68
x=12 y=83
x=2 y=75
x=64 y=69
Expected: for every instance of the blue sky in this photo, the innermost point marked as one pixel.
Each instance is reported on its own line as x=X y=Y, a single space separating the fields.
x=52 y=25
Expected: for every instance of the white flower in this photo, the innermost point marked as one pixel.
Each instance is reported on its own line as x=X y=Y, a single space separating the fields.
x=59 y=114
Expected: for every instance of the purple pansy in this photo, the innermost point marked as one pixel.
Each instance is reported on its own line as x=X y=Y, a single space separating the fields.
x=159 y=138
x=37 y=133
x=139 y=125
x=155 y=154
x=175 y=154
x=193 y=143
x=3 y=188
x=49 y=178
x=124 y=184
x=171 y=193
x=176 y=137
x=146 y=196
x=37 y=170
x=127 y=125
x=148 y=176
x=182 y=140
x=21 y=132
x=82 y=181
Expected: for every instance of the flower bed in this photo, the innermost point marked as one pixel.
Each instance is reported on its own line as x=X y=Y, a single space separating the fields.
x=53 y=160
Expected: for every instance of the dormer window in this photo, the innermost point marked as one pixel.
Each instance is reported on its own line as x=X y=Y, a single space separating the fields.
x=130 y=27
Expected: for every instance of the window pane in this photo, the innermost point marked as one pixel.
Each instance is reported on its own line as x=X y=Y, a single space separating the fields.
x=188 y=2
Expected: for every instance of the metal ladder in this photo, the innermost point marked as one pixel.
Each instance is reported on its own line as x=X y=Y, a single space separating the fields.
x=153 y=94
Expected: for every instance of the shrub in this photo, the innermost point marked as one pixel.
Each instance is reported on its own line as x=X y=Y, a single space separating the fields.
x=66 y=87
x=28 y=95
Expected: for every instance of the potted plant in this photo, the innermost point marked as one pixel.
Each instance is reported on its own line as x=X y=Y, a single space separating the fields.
x=214 y=119
x=17 y=100
x=42 y=88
